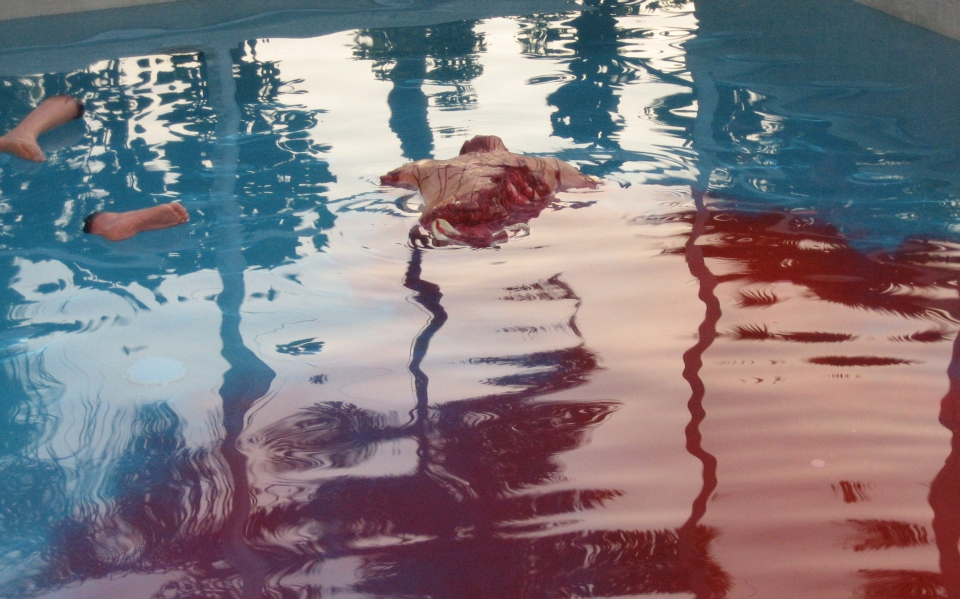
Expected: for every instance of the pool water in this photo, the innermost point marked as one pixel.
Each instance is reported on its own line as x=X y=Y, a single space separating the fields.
x=731 y=371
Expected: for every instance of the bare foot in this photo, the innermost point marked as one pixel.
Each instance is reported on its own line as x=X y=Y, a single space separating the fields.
x=23 y=146
x=51 y=113
x=117 y=226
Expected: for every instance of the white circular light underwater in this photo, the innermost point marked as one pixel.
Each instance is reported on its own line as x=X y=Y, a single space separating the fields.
x=156 y=370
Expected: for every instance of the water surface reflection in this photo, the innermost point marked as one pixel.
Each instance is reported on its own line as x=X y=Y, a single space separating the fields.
x=484 y=508
x=755 y=256
x=715 y=392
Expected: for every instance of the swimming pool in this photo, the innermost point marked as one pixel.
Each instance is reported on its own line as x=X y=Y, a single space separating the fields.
x=731 y=371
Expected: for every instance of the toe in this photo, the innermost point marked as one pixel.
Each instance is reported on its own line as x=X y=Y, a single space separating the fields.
x=180 y=211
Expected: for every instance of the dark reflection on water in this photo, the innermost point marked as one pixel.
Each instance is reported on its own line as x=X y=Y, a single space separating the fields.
x=280 y=171
x=587 y=103
x=945 y=488
x=886 y=534
x=410 y=57
x=795 y=112
x=700 y=582
x=485 y=509
x=468 y=521
x=782 y=247
x=471 y=519
x=779 y=246
x=168 y=502
x=890 y=584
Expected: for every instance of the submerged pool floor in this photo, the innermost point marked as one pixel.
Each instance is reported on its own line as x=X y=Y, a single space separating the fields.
x=730 y=371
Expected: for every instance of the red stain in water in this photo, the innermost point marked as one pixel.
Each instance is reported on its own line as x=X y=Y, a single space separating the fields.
x=475 y=518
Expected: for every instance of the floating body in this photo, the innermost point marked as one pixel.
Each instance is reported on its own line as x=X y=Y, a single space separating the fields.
x=485 y=189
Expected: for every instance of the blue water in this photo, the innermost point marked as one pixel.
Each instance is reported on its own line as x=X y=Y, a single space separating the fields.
x=291 y=397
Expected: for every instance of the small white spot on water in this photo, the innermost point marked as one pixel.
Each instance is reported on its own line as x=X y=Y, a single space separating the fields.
x=156 y=370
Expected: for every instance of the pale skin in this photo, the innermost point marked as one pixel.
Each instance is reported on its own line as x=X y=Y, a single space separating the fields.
x=51 y=113
x=117 y=226
x=114 y=226
x=485 y=184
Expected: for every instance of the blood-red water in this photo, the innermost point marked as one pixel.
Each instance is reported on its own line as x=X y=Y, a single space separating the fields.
x=729 y=372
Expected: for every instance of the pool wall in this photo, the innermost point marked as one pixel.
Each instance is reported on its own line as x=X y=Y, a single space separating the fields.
x=36 y=45
x=15 y=9
x=942 y=16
